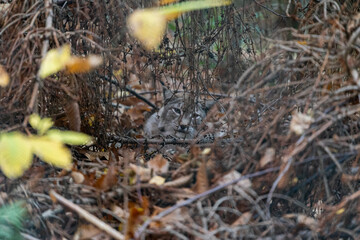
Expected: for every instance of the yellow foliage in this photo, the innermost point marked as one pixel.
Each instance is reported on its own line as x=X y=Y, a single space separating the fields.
x=69 y=137
x=60 y=59
x=149 y=25
x=82 y=65
x=16 y=149
x=15 y=154
x=40 y=125
x=54 y=61
x=51 y=151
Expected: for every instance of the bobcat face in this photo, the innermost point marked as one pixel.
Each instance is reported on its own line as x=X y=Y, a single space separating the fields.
x=177 y=118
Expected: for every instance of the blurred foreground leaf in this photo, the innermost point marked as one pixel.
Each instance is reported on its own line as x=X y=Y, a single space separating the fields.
x=61 y=59
x=11 y=218
x=15 y=154
x=149 y=25
x=16 y=149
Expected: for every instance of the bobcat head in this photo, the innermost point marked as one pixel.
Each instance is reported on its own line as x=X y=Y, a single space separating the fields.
x=180 y=117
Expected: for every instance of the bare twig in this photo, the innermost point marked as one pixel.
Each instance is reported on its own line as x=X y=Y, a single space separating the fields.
x=48 y=25
x=87 y=216
x=142 y=228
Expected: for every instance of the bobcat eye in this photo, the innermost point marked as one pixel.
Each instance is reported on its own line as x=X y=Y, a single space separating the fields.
x=177 y=111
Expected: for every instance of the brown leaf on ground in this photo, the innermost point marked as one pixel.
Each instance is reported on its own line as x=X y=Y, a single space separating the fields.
x=202 y=181
x=130 y=101
x=158 y=164
x=108 y=180
x=89 y=231
x=268 y=157
x=144 y=174
x=136 y=113
x=177 y=216
x=137 y=216
x=94 y=156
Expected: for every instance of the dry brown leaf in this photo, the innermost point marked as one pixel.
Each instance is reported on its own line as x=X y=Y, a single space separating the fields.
x=268 y=157
x=125 y=121
x=202 y=181
x=118 y=211
x=73 y=115
x=130 y=101
x=231 y=176
x=136 y=216
x=128 y=155
x=93 y=156
x=243 y=219
x=136 y=113
x=90 y=178
x=300 y=122
x=158 y=164
x=181 y=181
x=89 y=231
x=179 y=215
x=143 y=173
x=108 y=180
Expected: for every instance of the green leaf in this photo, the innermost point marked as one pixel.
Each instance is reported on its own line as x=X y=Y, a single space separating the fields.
x=69 y=137
x=15 y=154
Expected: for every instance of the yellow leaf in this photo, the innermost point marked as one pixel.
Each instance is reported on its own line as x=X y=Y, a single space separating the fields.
x=148 y=26
x=340 y=211
x=51 y=151
x=82 y=65
x=302 y=42
x=69 y=137
x=4 y=77
x=41 y=125
x=15 y=154
x=54 y=61
x=157 y=180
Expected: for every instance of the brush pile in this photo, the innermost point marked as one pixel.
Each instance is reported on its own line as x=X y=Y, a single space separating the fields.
x=289 y=115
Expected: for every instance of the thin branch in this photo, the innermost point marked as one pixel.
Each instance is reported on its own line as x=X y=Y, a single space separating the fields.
x=87 y=216
x=48 y=25
x=270 y=10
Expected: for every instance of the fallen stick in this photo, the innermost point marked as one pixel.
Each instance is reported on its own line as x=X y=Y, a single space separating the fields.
x=86 y=215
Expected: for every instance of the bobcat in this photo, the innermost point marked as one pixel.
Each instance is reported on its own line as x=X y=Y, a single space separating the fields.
x=179 y=117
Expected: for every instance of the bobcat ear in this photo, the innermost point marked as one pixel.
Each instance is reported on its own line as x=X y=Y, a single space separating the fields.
x=207 y=105
x=167 y=94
